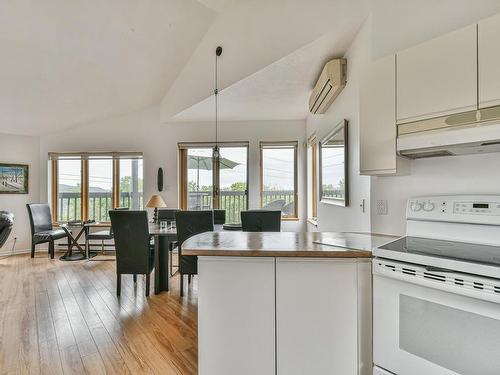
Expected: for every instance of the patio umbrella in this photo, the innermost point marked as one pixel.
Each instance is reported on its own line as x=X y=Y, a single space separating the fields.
x=206 y=163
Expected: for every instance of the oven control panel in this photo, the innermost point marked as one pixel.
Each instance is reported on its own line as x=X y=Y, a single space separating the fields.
x=480 y=209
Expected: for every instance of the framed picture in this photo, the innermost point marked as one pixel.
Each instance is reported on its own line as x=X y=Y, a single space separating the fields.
x=14 y=178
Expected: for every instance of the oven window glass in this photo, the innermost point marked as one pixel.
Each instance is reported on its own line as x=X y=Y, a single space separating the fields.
x=457 y=340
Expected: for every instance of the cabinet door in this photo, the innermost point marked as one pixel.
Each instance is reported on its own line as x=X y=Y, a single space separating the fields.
x=316 y=316
x=438 y=77
x=378 y=118
x=489 y=61
x=236 y=315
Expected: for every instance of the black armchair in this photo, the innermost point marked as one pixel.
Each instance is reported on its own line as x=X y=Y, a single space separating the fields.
x=134 y=252
x=261 y=221
x=190 y=223
x=41 y=227
x=6 y=224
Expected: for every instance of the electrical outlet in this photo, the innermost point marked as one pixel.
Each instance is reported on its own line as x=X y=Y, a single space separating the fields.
x=382 y=207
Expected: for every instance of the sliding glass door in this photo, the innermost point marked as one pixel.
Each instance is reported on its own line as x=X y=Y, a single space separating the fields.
x=207 y=183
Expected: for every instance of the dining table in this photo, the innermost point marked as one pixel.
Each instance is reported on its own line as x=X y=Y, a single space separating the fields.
x=163 y=237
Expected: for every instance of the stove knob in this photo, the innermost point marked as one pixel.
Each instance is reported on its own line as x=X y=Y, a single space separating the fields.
x=416 y=206
x=428 y=206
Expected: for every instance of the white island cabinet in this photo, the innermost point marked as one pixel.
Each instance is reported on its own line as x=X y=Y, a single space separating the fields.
x=284 y=303
x=236 y=320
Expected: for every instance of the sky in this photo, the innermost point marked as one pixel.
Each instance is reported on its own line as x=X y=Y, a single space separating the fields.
x=100 y=172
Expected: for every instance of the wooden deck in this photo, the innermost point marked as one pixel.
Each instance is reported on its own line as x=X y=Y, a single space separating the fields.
x=65 y=318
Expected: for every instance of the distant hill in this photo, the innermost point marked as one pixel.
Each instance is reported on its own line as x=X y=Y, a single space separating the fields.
x=92 y=189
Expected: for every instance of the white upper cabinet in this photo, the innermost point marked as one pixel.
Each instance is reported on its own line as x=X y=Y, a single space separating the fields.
x=489 y=61
x=378 y=119
x=438 y=77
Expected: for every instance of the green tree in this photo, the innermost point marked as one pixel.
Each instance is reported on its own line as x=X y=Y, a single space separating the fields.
x=238 y=186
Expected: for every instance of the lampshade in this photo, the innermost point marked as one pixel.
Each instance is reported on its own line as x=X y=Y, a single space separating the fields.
x=156 y=201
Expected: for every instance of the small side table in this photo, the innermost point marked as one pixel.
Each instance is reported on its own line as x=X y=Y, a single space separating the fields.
x=80 y=228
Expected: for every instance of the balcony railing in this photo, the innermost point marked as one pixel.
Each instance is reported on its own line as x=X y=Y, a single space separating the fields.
x=69 y=205
x=233 y=201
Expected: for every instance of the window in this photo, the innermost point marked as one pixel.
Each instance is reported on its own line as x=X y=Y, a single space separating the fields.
x=278 y=162
x=85 y=186
x=312 y=179
x=131 y=183
x=206 y=183
x=69 y=189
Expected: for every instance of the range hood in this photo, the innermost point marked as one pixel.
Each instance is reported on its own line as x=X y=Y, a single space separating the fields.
x=470 y=132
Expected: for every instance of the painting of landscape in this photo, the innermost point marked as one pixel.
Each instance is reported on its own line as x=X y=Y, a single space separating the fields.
x=13 y=179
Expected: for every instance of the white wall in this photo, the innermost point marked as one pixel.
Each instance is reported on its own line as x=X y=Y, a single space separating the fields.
x=142 y=131
x=20 y=150
x=469 y=174
x=346 y=106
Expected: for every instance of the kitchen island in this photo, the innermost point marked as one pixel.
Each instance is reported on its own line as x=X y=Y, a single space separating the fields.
x=284 y=303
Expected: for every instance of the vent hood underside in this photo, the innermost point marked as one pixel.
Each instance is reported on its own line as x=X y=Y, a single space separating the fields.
x=471 y=132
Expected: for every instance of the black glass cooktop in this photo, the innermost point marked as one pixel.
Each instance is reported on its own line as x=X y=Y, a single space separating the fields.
x=462 y=251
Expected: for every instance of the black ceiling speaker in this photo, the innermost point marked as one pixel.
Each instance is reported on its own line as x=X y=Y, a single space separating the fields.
x=159 y=179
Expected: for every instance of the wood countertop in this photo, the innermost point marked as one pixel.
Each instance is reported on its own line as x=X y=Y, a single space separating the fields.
x=284 y=244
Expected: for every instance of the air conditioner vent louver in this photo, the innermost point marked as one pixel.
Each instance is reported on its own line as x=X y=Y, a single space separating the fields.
x=467 y=282
x=329 y=85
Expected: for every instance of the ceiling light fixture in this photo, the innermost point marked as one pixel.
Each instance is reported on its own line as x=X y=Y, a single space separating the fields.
x=218 y=52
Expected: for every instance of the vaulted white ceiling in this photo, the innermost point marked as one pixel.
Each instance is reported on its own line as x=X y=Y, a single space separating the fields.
x=69 y=62
x=65 y=63
x=280 y=91
x=256 y=34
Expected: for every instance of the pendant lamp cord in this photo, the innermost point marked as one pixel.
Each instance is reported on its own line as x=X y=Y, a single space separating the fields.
x=218 y=52
x=216 y=92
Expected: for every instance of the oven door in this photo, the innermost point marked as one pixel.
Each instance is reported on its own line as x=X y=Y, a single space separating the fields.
x=433 y=321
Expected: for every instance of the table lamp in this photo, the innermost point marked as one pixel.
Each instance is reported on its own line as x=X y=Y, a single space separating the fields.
x=154 y=202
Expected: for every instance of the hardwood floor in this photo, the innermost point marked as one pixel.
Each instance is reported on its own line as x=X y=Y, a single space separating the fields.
x=65 y=318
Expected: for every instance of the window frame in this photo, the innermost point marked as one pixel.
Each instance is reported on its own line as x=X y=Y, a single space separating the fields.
x=281 y=144
x=183 y=170
x=84 y=157
x=312 y=177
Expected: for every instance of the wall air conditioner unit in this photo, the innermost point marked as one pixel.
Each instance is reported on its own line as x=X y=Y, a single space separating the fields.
x=470 y=132
x=330 y=83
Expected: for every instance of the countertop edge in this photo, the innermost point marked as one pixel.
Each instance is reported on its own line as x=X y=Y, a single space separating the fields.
x=281 y=253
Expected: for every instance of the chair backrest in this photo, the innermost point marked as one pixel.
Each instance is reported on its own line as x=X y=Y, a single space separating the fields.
x=117 y=209
x=260 y=221
x=219 y=216
x=190 y=223
x=40 y=217
x=167 y=214
x=131 y=234
x=6 y=224
x=275 y=205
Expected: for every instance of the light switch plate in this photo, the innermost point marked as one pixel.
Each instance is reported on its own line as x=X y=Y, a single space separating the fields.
x=382 y=207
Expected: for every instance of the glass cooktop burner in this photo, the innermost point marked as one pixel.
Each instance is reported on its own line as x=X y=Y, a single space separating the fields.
x=468 y=252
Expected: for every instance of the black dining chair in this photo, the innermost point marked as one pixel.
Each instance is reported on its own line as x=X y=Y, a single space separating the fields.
x=190 y=223
x=42 y=230
x=168 y=215
x=134 y=251
x=101 y=235
x=260 y=221
x=219 y=217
